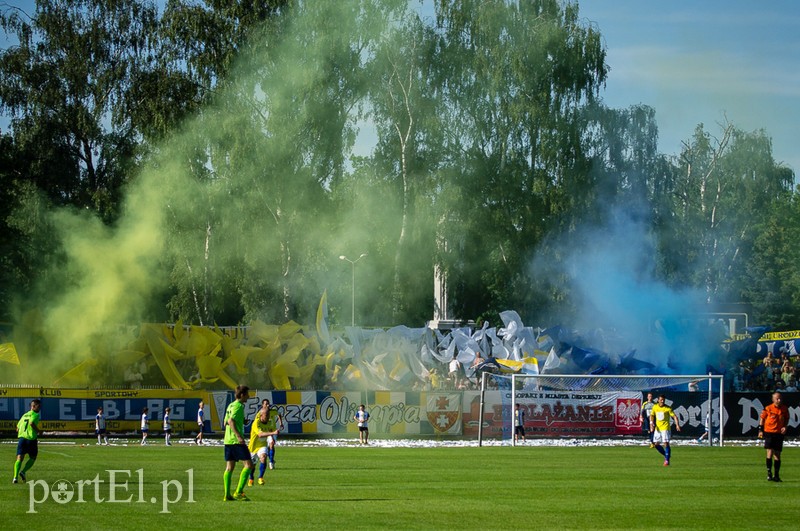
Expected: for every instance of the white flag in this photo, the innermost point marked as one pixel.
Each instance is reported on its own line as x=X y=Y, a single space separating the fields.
x=552 y=362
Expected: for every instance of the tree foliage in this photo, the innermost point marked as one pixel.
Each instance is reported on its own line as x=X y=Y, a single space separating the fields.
x=489 y=144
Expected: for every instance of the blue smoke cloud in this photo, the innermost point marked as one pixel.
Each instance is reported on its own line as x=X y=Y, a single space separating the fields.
x=610 y=273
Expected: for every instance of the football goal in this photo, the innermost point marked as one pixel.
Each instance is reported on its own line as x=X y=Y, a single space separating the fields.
x=574 y=405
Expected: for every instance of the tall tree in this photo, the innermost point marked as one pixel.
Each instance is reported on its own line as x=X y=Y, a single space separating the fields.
x=64 y=84
x=517 y=78
x=723 y=185
x=404 y=107
x=772 y=285
x=272 y=143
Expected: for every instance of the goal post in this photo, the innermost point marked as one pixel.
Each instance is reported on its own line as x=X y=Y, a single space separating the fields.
x=580 y=405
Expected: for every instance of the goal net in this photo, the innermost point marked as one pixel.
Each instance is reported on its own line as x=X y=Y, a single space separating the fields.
x=557 y=405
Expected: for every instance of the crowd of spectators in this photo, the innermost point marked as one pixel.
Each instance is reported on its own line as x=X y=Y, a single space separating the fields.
x=772 y=373
x=775 y=372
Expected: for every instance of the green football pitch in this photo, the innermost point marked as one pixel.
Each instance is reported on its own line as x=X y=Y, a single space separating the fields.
x=352 y=487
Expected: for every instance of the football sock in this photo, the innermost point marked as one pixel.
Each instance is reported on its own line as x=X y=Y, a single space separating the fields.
x=17 y=466
x=769 y=465
x=261 y=469
x=252 y=472
x=31 y=461
x=667 y=452
x=98 y=439
x=778 y=468
x=243 y=477
x=226 y=480
x=271 y=454
x=661 y=450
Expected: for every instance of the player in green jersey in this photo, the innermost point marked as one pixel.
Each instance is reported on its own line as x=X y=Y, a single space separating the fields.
x=235 y=447
x=28 y=433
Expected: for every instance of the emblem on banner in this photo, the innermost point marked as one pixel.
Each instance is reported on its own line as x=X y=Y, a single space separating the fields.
x=627 y=413
x=444 y=412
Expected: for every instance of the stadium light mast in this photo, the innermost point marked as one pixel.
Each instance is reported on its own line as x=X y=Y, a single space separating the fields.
x=353 y=263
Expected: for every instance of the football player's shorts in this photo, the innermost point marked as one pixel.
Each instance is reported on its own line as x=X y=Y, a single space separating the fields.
x=773 y=441
x=261 y=451
x=237 y=452
x=661 y=436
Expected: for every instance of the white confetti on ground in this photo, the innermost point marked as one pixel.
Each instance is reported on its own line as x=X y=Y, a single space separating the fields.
x=566 y=442
x=424 y=443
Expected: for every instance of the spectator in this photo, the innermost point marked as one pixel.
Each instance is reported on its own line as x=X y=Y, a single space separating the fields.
x=436 y=379
x=787 y=374
x=478 y=359
x=792 y=387
x=455 y=371
x=768 y=360
x=475 y=363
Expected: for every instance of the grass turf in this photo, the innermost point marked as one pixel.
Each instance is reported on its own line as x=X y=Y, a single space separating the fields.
x=353 y=487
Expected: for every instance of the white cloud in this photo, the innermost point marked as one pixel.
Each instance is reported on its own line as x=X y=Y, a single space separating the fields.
x=708 y=71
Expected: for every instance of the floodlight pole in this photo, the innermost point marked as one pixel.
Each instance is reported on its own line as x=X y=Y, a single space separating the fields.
x=353 y=263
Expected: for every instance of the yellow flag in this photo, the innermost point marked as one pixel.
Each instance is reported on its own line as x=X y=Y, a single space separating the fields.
x=8 y=353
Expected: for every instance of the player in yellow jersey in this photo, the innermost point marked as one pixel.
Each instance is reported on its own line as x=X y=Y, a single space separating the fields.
x=263 y=427
x=28 y=433
x=660 y=416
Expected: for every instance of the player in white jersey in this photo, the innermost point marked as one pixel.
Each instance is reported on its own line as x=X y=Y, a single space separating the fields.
x=275 y=422
x=167 y=427
x=100 y=426
x=145 y=426
x=201 y=420
x=362 y=418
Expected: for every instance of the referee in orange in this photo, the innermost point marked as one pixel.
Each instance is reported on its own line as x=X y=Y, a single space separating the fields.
x=772 y=428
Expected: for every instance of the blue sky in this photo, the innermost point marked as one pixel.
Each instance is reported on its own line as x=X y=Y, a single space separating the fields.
x=698 y=62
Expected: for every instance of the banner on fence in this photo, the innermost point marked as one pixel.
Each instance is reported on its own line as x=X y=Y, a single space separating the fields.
x=557 y=413
x=74 y=410
x=402 y=414
x=391 y=413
